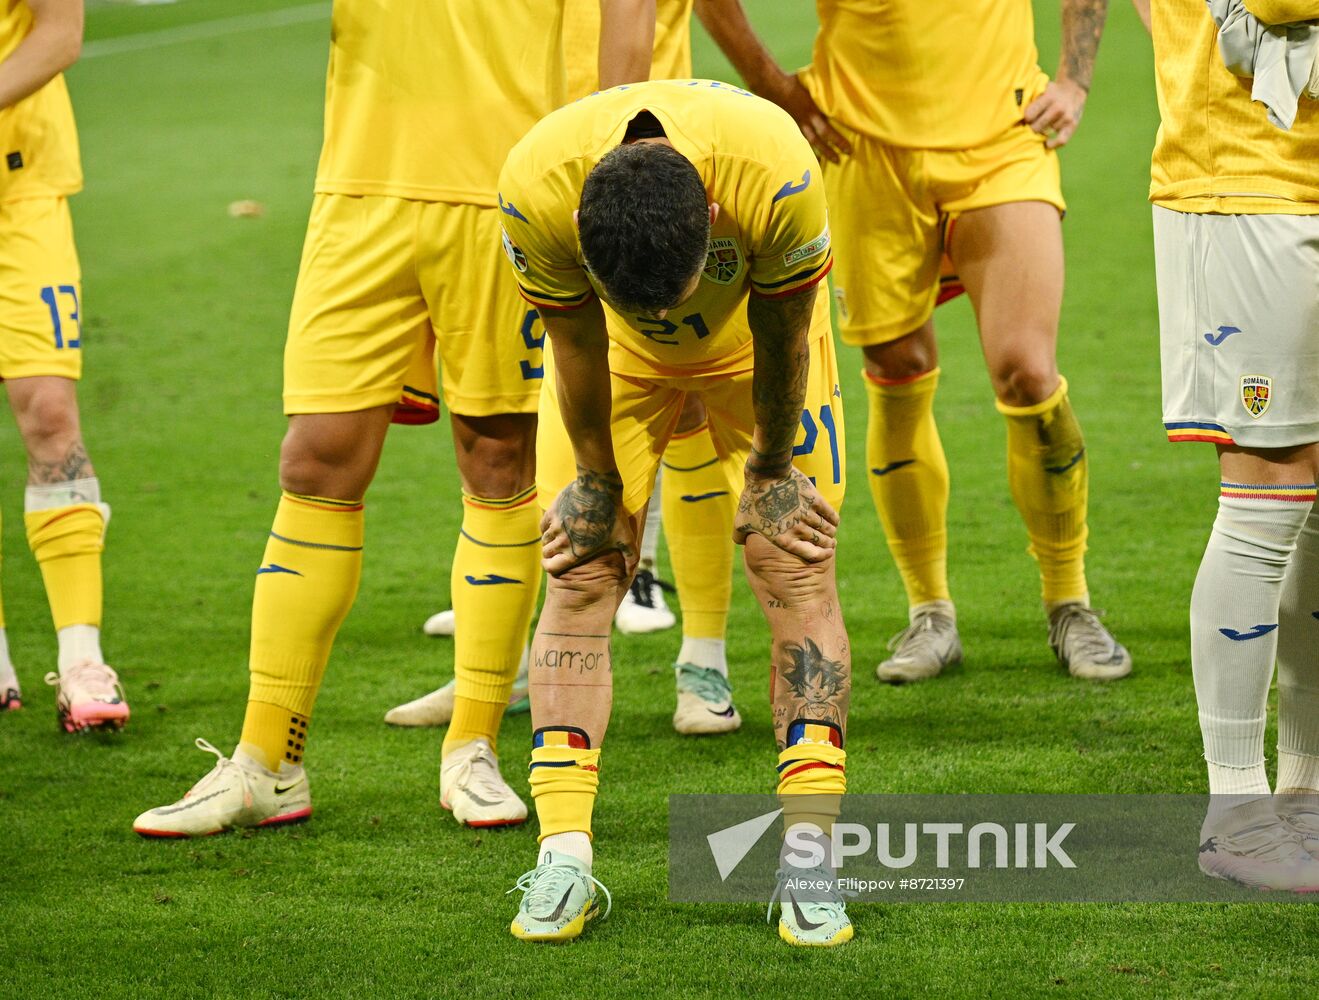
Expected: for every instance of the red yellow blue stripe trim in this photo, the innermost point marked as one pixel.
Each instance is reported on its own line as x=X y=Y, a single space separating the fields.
x=1290 y=493
x=561 y=736
x=1197 y=430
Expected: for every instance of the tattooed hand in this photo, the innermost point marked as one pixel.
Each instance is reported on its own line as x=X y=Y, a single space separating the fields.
x=587 y=520
x=789 y=511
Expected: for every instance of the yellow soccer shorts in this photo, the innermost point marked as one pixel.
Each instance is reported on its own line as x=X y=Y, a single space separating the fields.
x=40 y=290
x=646 y=410
x=891 y=209
x=386 y=282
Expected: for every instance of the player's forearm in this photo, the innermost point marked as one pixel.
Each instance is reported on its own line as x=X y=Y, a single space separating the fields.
x=1284 y=11
x=779 y=331
x=49 y=49
x=1083 y=25
x=627 y=41
x=727 y=24
x=581 y=370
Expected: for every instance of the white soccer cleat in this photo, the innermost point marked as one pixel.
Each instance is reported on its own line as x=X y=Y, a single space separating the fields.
x=472 y=788
x=1299 y=809
x=643 y=609
x=436 y=708
x=1250 y=845
x=88 y=696
x=440 y=623
x=924 y=647
x=705 y=702
x=11 y=698
x=238 y=792
x=1084 y=646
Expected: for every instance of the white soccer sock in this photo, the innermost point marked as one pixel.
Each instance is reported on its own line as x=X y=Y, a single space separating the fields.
x=1298 y=665
x=5 y=664
x=1234 y=623
x=707 y=653
x=79 y=643
x=575 y=843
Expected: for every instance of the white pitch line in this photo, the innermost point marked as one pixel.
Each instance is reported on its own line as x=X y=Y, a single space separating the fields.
x=206 y=29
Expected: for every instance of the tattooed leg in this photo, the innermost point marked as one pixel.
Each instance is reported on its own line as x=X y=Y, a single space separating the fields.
x=811 y=674
x=571 y=674
x=46 y=410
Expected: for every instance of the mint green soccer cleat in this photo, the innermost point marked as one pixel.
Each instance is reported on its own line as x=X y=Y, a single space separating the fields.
x=558 y=898
x=705 y=702
x=819 y=921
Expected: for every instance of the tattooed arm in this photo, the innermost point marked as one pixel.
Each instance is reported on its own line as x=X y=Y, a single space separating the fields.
x=1057 y=111
x=727 y=24
x=587 y=518
x=778 y=501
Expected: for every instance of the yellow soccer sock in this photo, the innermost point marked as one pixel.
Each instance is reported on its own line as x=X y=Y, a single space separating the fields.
x=495 y=582
x=909 y=482
x=565 y=776
x=1049 y=478
x=812 y=775
x=67 y=542
x=307 y=582
x=698 y=505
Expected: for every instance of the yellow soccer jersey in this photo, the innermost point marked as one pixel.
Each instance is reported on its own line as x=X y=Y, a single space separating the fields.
x=581 y=43
x=1216 y=151
x=425 y=98
x=771 y=236
x=925 y=75
x=38 y=138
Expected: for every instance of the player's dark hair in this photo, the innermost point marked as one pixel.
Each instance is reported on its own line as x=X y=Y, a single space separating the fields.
x=644 y=223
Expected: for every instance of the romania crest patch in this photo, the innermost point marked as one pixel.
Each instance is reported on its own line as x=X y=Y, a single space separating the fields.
x=1256 y=393
x=723 y=262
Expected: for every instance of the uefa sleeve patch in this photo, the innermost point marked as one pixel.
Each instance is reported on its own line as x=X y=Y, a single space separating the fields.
x=513 y=252
x=814 y=248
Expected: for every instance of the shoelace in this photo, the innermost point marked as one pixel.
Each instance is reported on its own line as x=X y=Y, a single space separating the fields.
x=1272 y=842
x=643 y=588
x=838 y=897
x=97 y=680
x=921 y=633
x=707 y=684
x=542 y=892
x=487 y=778
x=1082 y=626
x=221 y=765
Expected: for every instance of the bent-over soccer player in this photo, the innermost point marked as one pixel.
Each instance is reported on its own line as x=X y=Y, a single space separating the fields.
x=672 y=235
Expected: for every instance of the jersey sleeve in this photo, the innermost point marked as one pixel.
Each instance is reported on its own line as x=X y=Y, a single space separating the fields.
x=791 y=250
x=540 y=237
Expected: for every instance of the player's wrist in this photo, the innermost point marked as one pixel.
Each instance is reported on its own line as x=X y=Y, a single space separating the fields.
x=763 y=465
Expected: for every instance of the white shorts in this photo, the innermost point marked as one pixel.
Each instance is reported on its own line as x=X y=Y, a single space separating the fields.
x=1239 y=327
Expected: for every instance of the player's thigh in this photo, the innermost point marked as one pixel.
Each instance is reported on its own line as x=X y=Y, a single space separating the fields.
x=1238 y=318
x=1004 y=203
x=40 y=291
x=359 y=319
x=886 y=243
x=643 y=419
x=820 y=449
x=491 y=342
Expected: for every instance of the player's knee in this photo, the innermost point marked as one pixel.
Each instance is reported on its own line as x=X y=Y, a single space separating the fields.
x=907 y=357
x=1024 y=381
x=496 y=454
x=593 y=588
x=321 y=465
x=776 y=575
x=49 y=425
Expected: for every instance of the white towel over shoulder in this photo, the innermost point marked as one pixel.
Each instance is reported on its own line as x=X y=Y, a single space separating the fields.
x=1282 y=58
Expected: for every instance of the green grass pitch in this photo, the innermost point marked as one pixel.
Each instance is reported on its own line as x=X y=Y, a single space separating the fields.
x=381 y=894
